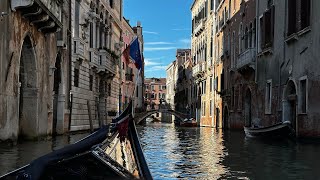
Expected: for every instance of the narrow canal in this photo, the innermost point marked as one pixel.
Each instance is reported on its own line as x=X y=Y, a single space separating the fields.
x=196 y=153
x=206 y=153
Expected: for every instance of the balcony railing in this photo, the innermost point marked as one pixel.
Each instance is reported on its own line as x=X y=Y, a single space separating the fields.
x=44 y=14
x=199 y=27
x=107 y=62
x=198 y=69
x=78 y=47
x=247 y=58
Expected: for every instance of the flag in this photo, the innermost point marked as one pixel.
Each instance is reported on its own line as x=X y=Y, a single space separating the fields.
x=133 y=52
x=122 y=122
x=126 y=54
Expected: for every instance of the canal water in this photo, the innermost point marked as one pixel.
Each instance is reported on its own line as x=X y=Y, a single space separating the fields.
x=196 y=153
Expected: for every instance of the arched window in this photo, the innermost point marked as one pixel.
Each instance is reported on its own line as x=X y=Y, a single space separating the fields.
x=250 y=35
x=246 y=38
x=240 y=38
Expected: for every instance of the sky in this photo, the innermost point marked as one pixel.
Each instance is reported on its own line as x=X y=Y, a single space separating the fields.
x=166 y=28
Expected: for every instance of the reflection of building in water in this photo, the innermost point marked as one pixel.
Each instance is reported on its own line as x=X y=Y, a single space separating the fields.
x=212 y=152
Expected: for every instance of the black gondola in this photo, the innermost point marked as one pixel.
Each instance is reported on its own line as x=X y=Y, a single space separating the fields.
x=279 y=130
x=112 y=152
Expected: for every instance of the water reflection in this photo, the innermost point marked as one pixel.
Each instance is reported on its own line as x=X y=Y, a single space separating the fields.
x=196 y=153
x=205 y=153
x=173 y=152
x=13 y=156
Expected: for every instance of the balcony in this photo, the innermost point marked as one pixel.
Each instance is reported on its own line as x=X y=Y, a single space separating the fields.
x=198 y=70
x=106 y=63
x=246 y=59
x=199 y=27
x=44 y=14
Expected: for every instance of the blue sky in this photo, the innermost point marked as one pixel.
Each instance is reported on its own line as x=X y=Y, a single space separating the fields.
x=166 y=27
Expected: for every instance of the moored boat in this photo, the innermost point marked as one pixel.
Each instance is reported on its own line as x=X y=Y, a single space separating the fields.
x=283 y=129
x=112 y=152
x=188 y=123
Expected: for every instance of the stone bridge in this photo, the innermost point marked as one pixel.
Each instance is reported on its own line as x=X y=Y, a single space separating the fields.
x=139 y=117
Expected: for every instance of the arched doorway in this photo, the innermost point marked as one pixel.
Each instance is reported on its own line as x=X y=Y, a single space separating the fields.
x=225 y=118
x=247 y=108
x=28 y=94
x=290 y=104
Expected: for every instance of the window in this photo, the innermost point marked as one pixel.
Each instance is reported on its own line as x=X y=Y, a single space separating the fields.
x=90 y=82
x=91 y=35
x=111 y=3
x=76 y=77
x=152 y=96
x=269 y=27
x=163 y=96
x=240 y=97
x=210 y=84
x=147 y=87
x=152 y=87
x=303 y=95
x=222 y=80
x=77 y=18
x=268 y=98
x=232 y=97
x=298 y=15
x=211 y=108
x=203 y=109
x=97 y=84
x=109 y=89
x=305 y=14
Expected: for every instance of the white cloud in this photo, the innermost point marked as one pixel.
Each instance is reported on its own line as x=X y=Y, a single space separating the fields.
x=157 y=43
x=186 y=41
x=151 y=62
x=158 y=48
x=156 y=68
x=150 y=32
x=181 y=29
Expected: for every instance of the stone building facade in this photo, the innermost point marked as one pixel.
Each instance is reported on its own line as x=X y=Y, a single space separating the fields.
x=287 y=66
x=30 y=52
x=183 y=76
x=202 y=45
x=97 y=44
x=155 y=93
x=235 y=57
x=130 y=75
x=171 y=83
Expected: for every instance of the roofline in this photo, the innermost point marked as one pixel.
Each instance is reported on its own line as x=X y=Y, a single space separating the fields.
x=194 y=1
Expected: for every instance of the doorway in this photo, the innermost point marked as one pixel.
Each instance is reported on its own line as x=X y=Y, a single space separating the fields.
x=290 y=104
x=28 y=92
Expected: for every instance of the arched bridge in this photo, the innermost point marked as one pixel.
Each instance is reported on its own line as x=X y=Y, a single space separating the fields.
x=139 y=117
